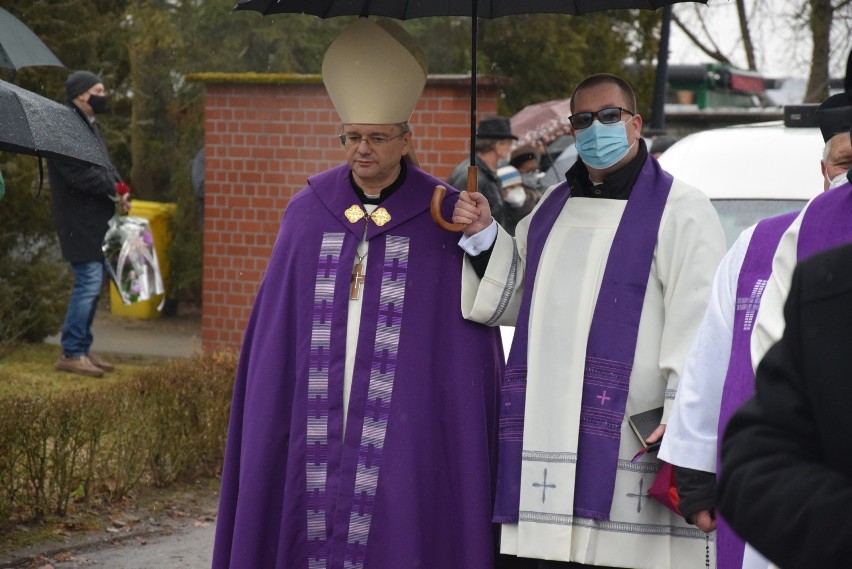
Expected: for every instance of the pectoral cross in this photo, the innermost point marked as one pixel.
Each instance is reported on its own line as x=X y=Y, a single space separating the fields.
x=357 y=280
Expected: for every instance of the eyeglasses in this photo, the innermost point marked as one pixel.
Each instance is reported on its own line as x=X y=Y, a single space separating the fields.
x=373 y=140
x=608 y=115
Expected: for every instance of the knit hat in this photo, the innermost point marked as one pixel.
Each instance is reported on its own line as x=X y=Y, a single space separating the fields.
x=79 y=82
x=834 y=116
x=374 y=72
x=509 y=176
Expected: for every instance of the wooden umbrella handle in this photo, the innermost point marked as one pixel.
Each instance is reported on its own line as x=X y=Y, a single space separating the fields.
x=438 y=199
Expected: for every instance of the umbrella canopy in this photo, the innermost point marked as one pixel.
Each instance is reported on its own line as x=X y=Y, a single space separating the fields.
x=542 y=122
x=402 y=10
x=20 y=47
x=36 y=125
x=405 y=9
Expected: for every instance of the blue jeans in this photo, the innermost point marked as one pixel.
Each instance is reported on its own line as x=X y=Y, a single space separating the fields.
x=77 y=329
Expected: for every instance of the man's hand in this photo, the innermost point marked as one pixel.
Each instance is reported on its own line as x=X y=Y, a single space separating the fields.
x=473 y=211
x=705 y=520
x=124 y=203
x=657 y=434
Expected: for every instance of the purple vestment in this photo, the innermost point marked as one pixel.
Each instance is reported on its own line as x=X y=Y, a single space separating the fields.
x=411 y=484
x=739 y=381
x=827 y=222
x=609 y=354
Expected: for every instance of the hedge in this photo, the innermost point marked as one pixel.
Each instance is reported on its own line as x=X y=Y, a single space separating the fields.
x=165 y=424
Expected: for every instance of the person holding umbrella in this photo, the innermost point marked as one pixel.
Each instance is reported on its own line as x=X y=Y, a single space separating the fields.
x=494 y=140
x=364 y=420
x=606 y=282
x=84 y=198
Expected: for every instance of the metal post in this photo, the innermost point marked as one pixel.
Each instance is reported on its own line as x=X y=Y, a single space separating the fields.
x=658 y=113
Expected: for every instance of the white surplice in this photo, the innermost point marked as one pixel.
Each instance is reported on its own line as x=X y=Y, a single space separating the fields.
x=640 y=533
x=692 y=431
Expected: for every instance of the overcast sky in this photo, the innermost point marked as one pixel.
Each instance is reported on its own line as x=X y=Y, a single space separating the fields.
x=783 y=47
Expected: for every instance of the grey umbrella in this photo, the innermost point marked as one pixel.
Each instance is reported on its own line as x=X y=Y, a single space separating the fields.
x=20 y=47
x=408 y=9
x=36 y=125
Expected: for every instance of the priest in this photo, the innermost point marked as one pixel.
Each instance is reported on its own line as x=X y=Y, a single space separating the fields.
x=718 y=375
x=363 y=424
x=606 y=281
x=825 y=222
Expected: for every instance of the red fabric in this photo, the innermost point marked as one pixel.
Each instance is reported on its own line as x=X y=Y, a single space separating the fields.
x=122 y=188
x=664 y=490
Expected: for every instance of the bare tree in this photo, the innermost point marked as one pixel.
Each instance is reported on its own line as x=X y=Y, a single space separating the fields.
x=817 y=36
x=748 y=46
x=819 y=23
x=709 y=46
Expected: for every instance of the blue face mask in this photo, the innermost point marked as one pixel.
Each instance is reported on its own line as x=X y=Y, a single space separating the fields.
x=602 y=145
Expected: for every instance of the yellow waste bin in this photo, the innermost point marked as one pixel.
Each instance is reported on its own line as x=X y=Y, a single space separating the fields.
x=157 y=215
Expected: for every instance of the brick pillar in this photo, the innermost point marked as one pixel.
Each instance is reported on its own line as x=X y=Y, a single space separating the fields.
x=264 y=135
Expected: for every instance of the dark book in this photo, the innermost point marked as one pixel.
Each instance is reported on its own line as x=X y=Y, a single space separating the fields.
x=645 y=423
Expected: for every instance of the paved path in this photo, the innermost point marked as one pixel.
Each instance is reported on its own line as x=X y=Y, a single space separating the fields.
x=190 y=548
x=187 y=546
x=171 y=336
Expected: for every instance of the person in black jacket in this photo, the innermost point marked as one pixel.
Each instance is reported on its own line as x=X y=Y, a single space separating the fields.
x=84 y=198
x=786 y=480
x=494 y=140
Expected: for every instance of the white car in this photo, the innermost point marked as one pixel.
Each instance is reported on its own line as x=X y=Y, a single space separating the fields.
x=749 y=172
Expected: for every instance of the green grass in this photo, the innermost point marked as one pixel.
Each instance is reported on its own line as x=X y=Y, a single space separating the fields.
x=28 y=370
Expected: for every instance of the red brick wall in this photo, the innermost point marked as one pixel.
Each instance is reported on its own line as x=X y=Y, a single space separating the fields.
x=262 y=141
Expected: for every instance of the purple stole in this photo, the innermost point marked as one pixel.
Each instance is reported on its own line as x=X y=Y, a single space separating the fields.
x=827 y=222
x=609 y=353
x=739 y=381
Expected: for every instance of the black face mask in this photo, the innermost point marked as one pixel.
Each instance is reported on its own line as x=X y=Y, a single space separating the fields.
x=98 y=103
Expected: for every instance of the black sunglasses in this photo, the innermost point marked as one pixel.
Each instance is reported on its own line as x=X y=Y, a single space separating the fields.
x=608 y=115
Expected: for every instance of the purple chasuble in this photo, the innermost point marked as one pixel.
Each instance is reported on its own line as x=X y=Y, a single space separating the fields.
x=826 y=223
x=739 y=381
x=609 y=353
x=410 y=484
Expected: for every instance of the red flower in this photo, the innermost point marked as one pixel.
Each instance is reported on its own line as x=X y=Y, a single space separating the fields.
x=122 y=188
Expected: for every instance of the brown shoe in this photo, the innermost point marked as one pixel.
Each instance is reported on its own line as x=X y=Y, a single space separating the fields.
x=100 y=362
x=79 y=364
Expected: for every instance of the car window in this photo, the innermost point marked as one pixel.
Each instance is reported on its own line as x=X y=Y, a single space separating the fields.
x=738 y=215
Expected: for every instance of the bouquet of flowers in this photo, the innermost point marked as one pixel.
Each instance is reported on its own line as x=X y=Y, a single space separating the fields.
x=131 y=259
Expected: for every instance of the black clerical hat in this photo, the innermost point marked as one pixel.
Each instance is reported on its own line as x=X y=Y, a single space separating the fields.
x=834 y=116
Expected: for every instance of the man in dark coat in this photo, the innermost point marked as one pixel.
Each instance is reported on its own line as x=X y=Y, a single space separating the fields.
x=84 y=198
x=786 y=480
x=494 y=140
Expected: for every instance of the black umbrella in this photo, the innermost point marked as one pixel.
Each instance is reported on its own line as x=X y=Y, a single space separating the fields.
x=409 y=9
x=20 y=47
x=36 y=125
